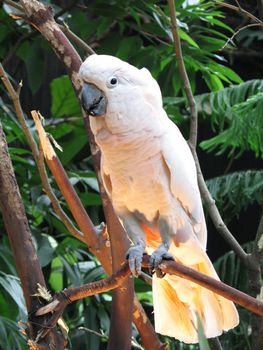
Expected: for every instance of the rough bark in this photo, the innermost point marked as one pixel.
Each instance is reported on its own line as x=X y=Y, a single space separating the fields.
x=23 y=248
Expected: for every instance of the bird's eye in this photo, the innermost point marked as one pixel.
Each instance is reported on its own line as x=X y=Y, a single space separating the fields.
x=112 y=82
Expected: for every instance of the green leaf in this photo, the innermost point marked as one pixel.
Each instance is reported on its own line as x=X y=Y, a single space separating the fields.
x=35 y=66
x=203 y=343
x=245 y=131
x=213 y=82
x=12 y=286
x=56 y=277
x=128 y=47
x=90 y=199
x=64 y=101
x=73 y=143
x=45 y=252
x=236 y=191
x=237 y=113
x=186 y=37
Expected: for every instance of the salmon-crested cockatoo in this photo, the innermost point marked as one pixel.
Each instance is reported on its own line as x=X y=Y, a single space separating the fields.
x=149 y=174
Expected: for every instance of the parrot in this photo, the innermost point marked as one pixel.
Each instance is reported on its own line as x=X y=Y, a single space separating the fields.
x=149 y=174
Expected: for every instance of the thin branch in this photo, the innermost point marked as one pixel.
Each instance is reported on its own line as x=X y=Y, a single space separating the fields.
x=14 y=4
x=101 y=335
x=89 y=236
x=238 y=9
x=65 y=29
x=184 y=76
x=208 y=200
x=215 y=214
x=230 y=40
x=215 y=344
x=258 y=244
x=54 y=201
x=19 y=112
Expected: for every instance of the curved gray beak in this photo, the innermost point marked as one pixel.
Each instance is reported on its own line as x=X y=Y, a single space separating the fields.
x=93 y=100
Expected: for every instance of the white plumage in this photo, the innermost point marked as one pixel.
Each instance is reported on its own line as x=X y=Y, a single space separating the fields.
x=149 y=174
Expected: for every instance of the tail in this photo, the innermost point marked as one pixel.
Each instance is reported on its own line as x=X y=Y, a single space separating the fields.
x=177 y=301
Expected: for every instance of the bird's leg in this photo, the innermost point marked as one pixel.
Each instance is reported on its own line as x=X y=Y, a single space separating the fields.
x=137 y=236
x=162 y=251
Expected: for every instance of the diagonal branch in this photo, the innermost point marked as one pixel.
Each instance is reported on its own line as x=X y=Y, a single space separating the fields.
x=230 y=40
x=208 y=200
x=89 y=234
x=238 y=9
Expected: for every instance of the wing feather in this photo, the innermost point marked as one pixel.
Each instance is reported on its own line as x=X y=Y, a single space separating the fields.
x=183 y=180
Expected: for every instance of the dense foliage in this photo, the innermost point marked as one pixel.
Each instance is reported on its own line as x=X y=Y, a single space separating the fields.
x=139 y=32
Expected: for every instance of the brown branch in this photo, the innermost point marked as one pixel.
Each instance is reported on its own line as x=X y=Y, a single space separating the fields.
x=88 y=232
x=23 y=248
x=14 y=4
x=184 y=76
x=19 y=112
x=208 y=200
x=72 y=36
x=237 y=9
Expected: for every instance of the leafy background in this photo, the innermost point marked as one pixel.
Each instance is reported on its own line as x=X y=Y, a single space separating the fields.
x=229 y=95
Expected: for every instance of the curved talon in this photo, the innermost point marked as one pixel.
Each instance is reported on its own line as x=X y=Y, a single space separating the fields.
x=156 y=258
x=134 y=256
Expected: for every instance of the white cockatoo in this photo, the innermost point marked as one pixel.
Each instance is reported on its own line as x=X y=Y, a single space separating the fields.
x=149 y=174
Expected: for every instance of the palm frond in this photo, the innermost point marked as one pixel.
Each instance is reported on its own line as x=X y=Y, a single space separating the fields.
x=236 y=114
x=236 y=191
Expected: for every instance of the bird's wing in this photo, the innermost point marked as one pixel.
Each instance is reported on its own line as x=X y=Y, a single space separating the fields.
x=183 y=180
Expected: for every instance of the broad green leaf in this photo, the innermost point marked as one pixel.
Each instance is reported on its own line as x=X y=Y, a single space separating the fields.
x=35 y=66
x=186 y=37
x=12 y=286
x=64 y=101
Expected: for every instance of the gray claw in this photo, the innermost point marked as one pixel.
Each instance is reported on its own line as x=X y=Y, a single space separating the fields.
x=156 y=258
x=134 y=256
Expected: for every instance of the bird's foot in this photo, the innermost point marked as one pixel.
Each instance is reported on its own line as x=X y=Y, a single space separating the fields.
x=134 y=256
x=156 y=258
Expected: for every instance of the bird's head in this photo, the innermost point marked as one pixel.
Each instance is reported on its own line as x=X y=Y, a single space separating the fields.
x=112 y=86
